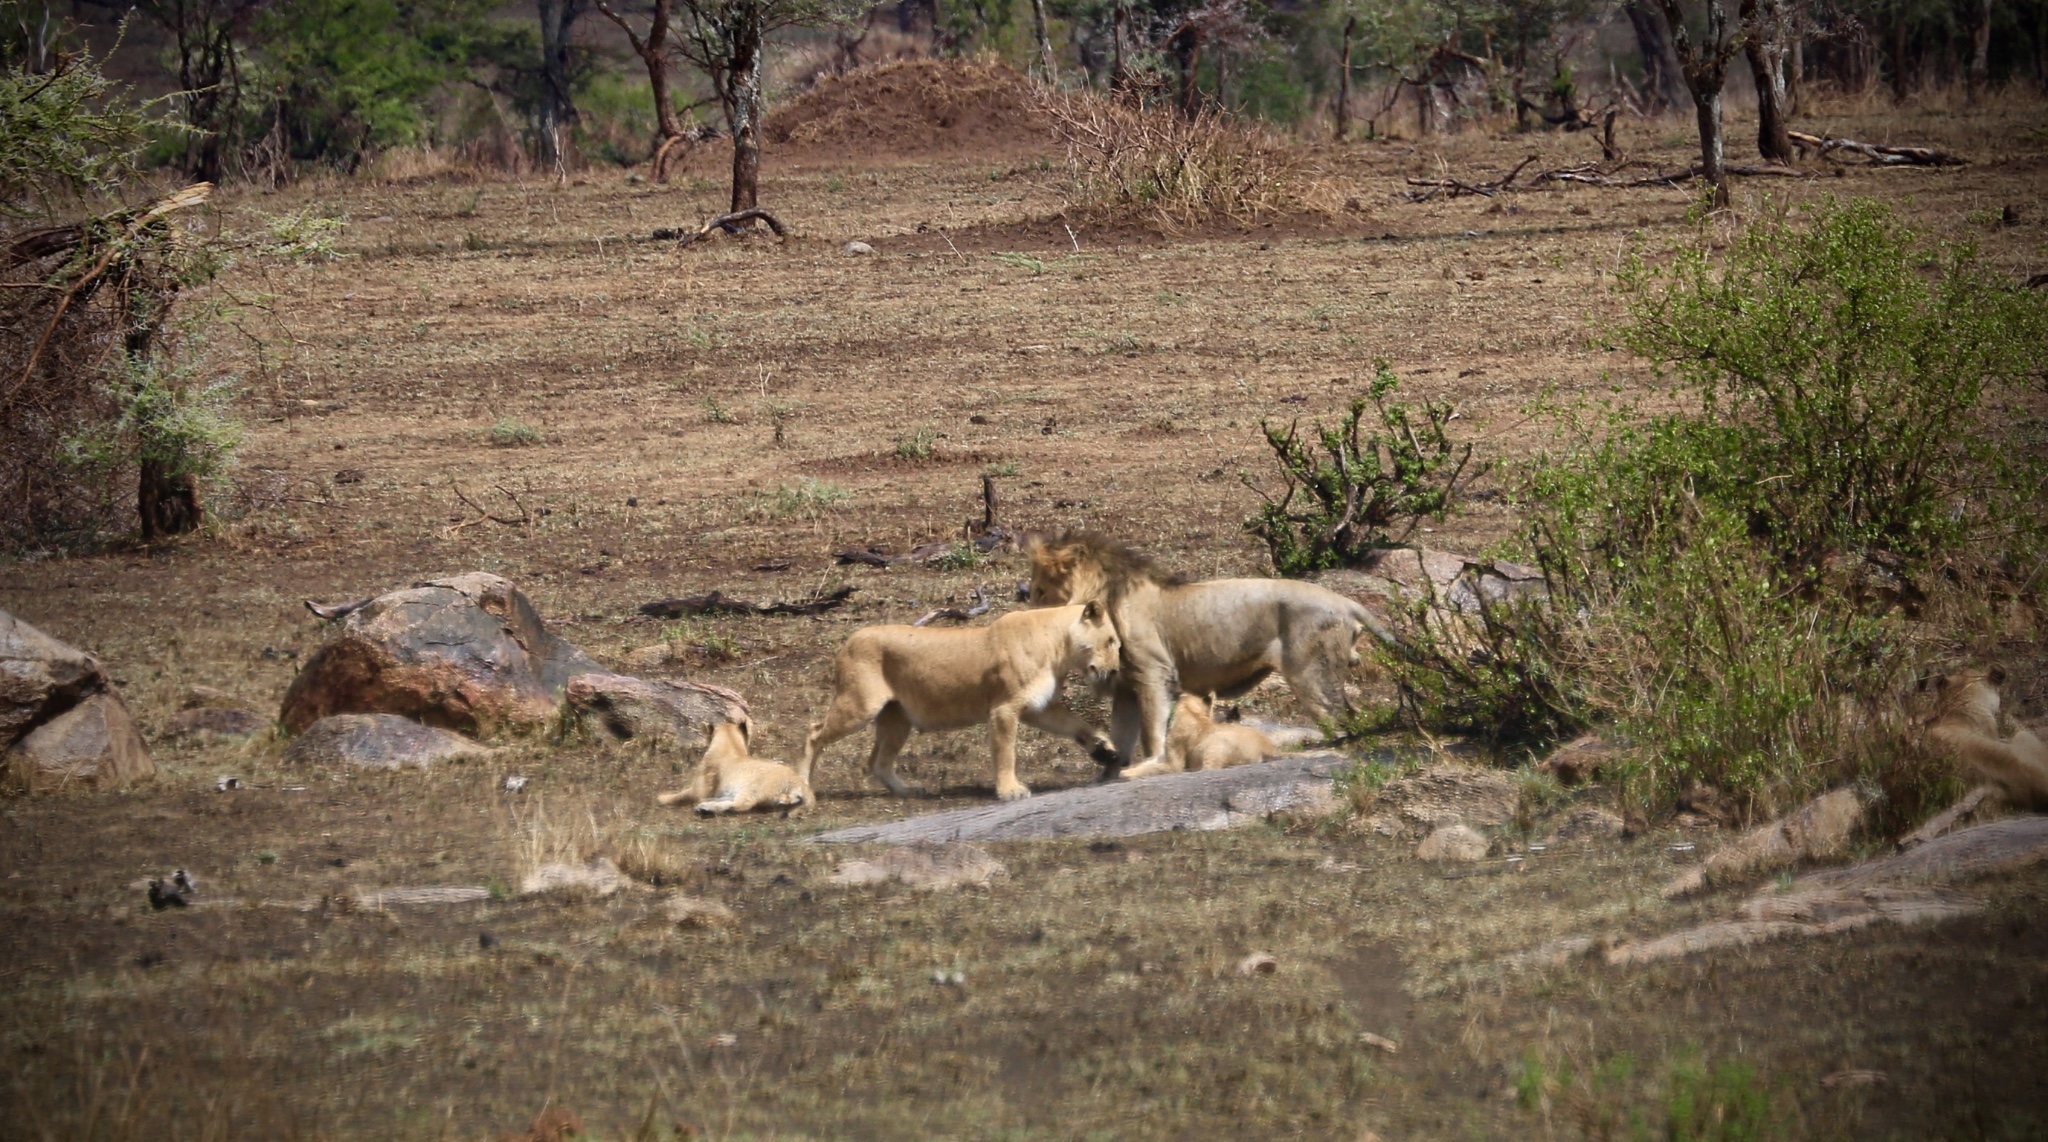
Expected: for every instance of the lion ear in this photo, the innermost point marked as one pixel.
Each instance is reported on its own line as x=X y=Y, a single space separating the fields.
x=1995 y=675
x=1092 y=611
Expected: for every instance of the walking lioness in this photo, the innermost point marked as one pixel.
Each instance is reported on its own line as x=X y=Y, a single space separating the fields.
x=903 y=678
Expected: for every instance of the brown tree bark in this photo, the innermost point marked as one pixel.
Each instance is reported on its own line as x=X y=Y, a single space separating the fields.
x=653 y=51
x=1186 y=45
x=1344 y=80
x=557 y=107
x=1706 y=72
x=1661 y=81
x=1044 y=41
x=743 y=110
x=1118 y=77
x=1763 y=27
x=168 y=502
x=1980 y=50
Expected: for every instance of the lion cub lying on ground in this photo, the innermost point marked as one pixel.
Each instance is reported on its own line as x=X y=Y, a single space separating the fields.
x=1965 y=720
x=1197 y=741
x=903 y=678
x=729 y=780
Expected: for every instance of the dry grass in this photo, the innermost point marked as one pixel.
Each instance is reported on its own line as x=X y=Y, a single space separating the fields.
x=1101 y=997
x=1128 y=160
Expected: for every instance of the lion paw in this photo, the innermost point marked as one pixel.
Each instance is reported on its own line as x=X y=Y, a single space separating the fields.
x=1016 y=792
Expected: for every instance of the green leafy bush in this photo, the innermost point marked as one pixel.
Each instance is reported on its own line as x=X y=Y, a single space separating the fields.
x=1339 y=504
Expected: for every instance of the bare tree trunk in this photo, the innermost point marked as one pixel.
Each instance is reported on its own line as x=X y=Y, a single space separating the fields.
x=1763 y=23
x=557 y=108
x=653 y=51
x=1795 y=77
x=1186 y=45
x=1661 y=81
x=743 y=110
x=1900 y=80
x=1980 y=50
x=1706 y=73
x=1045 y=70
x=167 y=502
x=1118 y=77
x=1344 y=80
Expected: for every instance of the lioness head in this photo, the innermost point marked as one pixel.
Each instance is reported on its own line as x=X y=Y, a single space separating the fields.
x=1969 y=697
x=1101 y=648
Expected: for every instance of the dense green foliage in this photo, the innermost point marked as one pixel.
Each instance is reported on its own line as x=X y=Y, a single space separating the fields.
x=1733 y=585
x=66 y=131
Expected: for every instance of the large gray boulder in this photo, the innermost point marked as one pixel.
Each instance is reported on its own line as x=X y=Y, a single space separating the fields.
x=61 y=722
x=378 y=741
x=1400 y=584
x=468 y=653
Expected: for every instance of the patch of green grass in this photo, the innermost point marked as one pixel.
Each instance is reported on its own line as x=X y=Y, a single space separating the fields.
x=920 y=444
x=1003 y=468
x=961 y=556
x=715 y=412
x=511 y=432
x=808 y=498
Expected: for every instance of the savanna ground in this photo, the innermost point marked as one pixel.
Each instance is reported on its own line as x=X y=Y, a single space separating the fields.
x=696 y=410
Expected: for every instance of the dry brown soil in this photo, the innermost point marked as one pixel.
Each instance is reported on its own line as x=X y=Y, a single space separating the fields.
x=1114 y=378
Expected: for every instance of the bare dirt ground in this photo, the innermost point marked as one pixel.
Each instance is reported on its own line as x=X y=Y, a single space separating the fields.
x=698 y=412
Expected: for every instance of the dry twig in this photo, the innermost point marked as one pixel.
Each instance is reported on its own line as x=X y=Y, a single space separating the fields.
x=718 y=603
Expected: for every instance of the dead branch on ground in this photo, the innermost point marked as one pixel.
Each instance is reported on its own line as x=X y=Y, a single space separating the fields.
x=719 y=603
x=731 y=224
x=982 y=605
x=334 y=611
x=485 y=515
x=1878 y=153
x=1460 y=187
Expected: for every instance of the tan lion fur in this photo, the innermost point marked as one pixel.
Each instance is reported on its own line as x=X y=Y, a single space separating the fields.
x=730 y=780
x=1219 y=636
x=904 y=677
x=1965 y=721
x=1197 y=741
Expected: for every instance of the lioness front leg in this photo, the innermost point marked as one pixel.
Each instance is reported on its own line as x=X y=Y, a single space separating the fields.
x=1002 y=745
x=1153 y=696
x=1061 y=721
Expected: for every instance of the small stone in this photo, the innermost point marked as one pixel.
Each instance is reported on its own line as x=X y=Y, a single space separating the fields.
x=725 y=1040
x=859 y=248
x=1591 y=823
x=1258 y=963
x=513 y=783
x=698 y=912
x=378 y=741
x=1380 y=1041
x=1453 y=843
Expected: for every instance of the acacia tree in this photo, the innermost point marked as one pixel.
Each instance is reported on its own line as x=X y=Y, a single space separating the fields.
x=725 y=39
x=653 y=51
x=1705 y=67
x=557 y=107
x=206 y=35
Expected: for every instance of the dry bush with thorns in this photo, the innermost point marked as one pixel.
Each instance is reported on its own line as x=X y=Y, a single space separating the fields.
x=1151 y=162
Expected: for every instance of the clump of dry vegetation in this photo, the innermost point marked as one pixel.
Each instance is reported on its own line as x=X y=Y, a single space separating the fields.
x=1153 y=164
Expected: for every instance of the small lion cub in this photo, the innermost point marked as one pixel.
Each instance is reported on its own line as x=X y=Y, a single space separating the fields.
x=729 y=780
x=1197 y=741
x=1965 y=720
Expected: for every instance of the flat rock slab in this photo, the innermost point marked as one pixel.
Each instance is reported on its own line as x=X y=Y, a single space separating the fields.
x=1197 y=802
x=378 y=741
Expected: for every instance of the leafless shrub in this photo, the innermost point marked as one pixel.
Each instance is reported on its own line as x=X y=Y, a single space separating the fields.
x=1172 y=169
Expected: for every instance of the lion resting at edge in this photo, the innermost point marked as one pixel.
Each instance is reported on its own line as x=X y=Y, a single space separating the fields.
x=904 y=677
x=1197 y=741
x=730 y=780
x=1219 y=636
x=1965 y=720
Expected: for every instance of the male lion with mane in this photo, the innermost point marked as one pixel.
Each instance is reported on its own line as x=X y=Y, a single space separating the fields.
x=905 y=677
x=1219 y=636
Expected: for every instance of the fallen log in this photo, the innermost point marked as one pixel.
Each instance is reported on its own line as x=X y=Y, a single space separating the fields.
x=1198 y=802
x=1878 y=153
x=719 y=603
x=1946 y=820
x=982 y=604
x=1458 y=186
x=731 y=223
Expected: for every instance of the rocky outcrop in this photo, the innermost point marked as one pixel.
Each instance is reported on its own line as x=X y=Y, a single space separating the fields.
x=1817 y=830
x=1395 y=582
x=61 y=722
x=1444 y=795
x=468 y=653
x=1461 y=843
x=378 y=741
x=664 y=711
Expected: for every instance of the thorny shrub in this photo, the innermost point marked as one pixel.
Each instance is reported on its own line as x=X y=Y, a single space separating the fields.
x=1151 y=162
x=1339 y=505
x=1710 y=571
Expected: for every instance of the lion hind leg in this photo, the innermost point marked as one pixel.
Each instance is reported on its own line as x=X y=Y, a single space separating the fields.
x=848 y=712
x=892 y=729
x=2019 y=764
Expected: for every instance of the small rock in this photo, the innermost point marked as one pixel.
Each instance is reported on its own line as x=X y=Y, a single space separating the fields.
x=486 y=941
x=214 y=722
x=698 y=912
x=648 y=657
x=925 y=864
x=1258 y=963
x=1448 y=794
x=1590 y=823
x=725 y=1040
x=859 y=248
x=378 y=741
x=1579 y=761
x=598 y=878
x=226 y=784
x=1380 y=1041
x=1453 y=842
x=513 y=783
x=949 y=978
x=200 y=697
